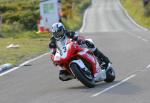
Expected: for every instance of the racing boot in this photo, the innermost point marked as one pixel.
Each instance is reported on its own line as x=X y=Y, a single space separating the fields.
x=102 y=59
x=65 y=76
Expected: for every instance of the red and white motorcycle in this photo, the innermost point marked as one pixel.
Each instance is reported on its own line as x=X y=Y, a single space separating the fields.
x=79 y=62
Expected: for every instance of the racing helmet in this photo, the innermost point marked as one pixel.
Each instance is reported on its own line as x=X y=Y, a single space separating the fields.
x=58 y=31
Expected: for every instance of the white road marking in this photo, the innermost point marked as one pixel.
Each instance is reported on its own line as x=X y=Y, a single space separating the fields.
x=148 y=66
x=26 y=62
x=84 y=20
x=145 y=40
x=117 y=84
x=8 y=71
x=138 y=37
x=130 y=18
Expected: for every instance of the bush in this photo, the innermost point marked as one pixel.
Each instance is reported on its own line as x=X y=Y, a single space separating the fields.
x=1 y=35
x=147 y=9
x=14 y=27
x=23 y=12
x=72 y=11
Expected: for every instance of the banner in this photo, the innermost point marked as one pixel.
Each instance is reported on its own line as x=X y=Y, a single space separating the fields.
x=49 y=12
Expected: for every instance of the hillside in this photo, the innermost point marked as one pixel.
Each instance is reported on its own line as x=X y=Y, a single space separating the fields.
x=136 y=10
x=20 y=15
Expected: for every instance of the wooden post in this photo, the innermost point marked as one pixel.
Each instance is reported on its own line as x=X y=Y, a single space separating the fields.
x=1 y=26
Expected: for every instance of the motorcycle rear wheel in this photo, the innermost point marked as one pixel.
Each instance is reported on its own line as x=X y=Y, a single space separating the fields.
x=110 y=75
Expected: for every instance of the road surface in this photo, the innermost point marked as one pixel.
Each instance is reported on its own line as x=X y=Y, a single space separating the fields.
x=127 y=46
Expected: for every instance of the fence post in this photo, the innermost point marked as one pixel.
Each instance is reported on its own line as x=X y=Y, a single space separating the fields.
x=1 y=26
x=146 y=4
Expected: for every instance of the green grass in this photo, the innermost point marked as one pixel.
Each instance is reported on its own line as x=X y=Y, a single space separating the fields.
x=136 y=11
x=28 y=48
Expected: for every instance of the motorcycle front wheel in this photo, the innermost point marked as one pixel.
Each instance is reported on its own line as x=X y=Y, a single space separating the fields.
x=86 y=78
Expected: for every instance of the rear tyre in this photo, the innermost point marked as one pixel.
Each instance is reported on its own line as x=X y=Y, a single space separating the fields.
x=84 y=78
x=110 y=75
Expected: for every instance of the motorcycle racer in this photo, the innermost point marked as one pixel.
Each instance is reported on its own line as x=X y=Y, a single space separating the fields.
x=59 y=34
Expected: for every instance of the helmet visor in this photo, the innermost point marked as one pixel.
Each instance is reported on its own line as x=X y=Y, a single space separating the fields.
x=58 y=35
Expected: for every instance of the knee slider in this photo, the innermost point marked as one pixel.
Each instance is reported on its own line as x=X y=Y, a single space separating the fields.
x=89 y=44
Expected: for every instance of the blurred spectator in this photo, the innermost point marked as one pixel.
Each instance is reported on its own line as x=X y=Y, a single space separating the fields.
x=60 y=7
x=145 y=2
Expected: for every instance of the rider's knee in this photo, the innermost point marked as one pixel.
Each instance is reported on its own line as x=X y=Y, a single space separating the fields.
x=90 y=44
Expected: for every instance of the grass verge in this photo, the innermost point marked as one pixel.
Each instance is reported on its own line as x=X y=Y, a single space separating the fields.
x=29 y=48
x=136 y=11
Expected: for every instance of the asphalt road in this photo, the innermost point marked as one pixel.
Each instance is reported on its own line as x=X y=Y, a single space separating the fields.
x=106 y=16
x=127 y=45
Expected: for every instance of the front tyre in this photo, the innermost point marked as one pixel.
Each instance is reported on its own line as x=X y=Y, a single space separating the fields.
x=82 y=76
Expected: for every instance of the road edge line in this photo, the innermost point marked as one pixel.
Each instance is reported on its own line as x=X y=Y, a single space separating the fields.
x=115 y=85
x=84 y=20
x=130 y=18
x=22 y=64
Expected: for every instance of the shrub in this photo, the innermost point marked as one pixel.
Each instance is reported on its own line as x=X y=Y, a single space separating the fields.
x=147 y=9
x=72 y=11
x=23 y=12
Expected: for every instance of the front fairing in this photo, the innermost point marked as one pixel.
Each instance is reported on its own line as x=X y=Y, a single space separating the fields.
x=68 y=51
x=65 y=51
